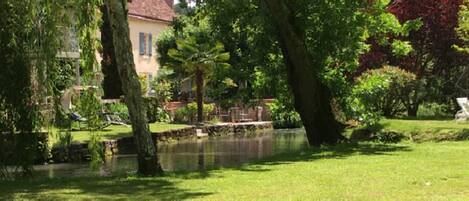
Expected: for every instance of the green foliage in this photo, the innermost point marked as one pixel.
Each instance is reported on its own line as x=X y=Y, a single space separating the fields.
x=18 y=152
x=88 y=20
x=401 y=48
x=162 y=86
x=118 y=108
x=193 y=55
x=30 y=39
x=380 y=92
x=155 y=110
x=463 y=27
x=165 y=41
x=284 y=116
x=435 y=111
x=95 y=146
x=188 y=113
x=90 y=107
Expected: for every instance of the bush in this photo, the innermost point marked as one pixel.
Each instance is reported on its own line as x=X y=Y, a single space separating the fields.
x=118 y=108
x=155 y=111
x=434 y=110
x=380 y=92
x=188 y=114
x=284 y=116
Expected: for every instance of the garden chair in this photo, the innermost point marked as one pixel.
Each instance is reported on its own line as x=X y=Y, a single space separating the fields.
x=463 y=114
x=113 y=119
x=244 y=114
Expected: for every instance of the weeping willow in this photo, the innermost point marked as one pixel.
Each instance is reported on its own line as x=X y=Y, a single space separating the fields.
x=31 y=36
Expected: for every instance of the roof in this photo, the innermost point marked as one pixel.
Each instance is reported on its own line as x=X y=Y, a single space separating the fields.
x=151 y=9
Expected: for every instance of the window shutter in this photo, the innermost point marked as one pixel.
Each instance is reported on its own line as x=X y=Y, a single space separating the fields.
x=150 y=44
x=142 y=43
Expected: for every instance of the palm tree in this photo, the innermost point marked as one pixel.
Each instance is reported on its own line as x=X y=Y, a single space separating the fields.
x=198 y=59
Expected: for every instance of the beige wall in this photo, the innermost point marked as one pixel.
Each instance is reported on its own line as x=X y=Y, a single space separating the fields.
x=145 y=63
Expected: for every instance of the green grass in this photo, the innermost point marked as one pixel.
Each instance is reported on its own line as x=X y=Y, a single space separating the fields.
x=116 y=131
x=424 y=125
x=422 y=130
x=364 y=171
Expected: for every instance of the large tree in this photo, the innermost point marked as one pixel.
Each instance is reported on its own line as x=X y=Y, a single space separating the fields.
x=116 y=12
x=312 y=97
x=318 y=41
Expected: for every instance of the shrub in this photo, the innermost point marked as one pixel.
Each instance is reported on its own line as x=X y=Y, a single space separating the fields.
x=434 y=110
x=120 y=109
x=154 y=109
x=162 y=90
x=380 y=92
x=188 y=114
x=284 y=116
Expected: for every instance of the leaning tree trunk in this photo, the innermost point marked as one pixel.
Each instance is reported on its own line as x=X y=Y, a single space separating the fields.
x=116 y=11
x=199 y=82
x=312 y=98
x=112 y=85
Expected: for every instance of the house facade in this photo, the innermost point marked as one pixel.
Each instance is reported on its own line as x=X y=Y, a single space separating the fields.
x=147 y=19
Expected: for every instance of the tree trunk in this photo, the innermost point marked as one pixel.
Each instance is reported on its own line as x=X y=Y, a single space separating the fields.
x=116 y=11
x=199 y=82
x=413 y=102
x=112 y=85
x=412 y=110
x=312 y=98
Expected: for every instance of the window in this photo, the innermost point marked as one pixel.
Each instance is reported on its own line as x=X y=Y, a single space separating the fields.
x=146 y=43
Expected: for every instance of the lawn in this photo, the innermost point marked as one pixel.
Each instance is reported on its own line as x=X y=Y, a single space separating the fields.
x=363 y=171
x=424 y=130
x=116 y=131
x=429 y=170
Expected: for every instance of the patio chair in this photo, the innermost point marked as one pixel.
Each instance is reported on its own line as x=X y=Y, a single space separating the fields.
x=463 y=114
x=113 y=119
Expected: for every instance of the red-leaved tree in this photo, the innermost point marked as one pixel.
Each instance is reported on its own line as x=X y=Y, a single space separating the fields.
x=433 y=55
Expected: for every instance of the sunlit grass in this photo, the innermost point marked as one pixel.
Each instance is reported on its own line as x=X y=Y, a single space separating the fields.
x=116 y=131
x=365 y=171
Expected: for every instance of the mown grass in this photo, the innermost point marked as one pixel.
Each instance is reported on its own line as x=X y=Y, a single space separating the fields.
x=430 y=170
x=420 y=130
x=360 y=171
x=116 y=131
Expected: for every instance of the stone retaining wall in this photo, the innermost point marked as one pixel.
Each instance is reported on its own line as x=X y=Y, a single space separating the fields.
x=126 y=145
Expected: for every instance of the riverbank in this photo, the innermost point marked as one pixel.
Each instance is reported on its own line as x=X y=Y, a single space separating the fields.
x=363 y=171
x=123 y=143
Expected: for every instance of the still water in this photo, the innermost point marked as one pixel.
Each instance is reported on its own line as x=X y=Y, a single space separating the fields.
x=193 y=154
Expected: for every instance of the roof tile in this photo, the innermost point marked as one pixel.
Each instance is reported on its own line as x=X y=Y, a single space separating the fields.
x=151 y=9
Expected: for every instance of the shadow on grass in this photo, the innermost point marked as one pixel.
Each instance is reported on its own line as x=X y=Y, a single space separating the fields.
x=165 y=188
x=97 y=188
x=114 y=135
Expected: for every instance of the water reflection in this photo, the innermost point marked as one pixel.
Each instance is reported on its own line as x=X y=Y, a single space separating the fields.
x=195 y=154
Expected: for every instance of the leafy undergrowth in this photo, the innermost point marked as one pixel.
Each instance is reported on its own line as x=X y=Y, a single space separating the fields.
x=360 y=171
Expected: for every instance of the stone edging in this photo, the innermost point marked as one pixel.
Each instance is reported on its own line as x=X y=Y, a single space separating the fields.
x=125 y=145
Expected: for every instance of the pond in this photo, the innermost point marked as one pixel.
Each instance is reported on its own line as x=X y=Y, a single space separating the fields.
x=193 y=154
